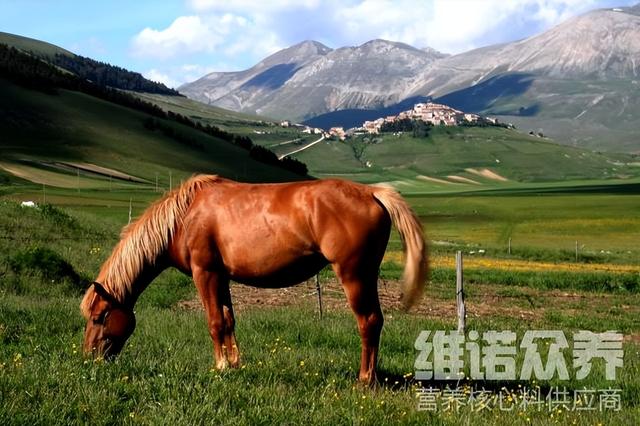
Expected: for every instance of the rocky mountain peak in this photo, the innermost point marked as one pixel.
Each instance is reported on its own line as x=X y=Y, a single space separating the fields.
x=434 y=53
x=297 y=54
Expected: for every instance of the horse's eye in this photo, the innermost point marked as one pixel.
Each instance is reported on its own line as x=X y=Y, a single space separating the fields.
x=101 y=319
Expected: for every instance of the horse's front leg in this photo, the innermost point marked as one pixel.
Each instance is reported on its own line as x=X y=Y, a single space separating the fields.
x=213 y=287
x=231 y=346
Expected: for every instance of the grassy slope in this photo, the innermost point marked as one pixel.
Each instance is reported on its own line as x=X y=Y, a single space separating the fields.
x=32 y=45
x=261 y=130
x=234 y=122
x=599 y=115
x=75 y=127
x=448 y=151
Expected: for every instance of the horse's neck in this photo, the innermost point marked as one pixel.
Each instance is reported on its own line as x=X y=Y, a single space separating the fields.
x=135 y=285
x=142 y=281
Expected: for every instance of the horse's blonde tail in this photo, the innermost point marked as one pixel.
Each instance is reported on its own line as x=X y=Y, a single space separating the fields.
x=410 y=229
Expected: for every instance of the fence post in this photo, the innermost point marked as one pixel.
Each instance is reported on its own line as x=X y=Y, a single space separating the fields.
x=509 y=245
x=130 y=210
x=462 y=313
x=319 y=290
x=576 y=250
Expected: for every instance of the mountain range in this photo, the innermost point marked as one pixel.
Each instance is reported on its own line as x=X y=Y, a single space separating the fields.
x=577 y=82
x=70 y=121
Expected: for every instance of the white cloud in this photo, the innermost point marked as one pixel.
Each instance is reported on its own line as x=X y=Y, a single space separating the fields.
x=265 y=45
x=160 y=77
x=250 y=5
x=175 y=76
x=452 y=25
x=228 y=34
x=186 y=35
x=259 y=27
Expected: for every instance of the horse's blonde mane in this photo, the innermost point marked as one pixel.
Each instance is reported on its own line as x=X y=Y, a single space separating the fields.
x=144 y=240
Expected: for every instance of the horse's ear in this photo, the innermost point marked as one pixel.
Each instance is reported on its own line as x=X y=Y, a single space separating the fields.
x=98 y=288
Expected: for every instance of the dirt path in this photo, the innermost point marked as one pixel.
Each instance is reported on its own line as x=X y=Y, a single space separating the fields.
x=529 y=305
x=435 y=180
x=104 y=171
x=439 y=303
x=486 y=173
x=309 y=145
x=463 y=179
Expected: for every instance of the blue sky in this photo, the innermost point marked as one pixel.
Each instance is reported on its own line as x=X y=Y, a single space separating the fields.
x=179 y=41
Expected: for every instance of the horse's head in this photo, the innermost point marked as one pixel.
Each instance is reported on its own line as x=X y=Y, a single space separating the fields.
x=109 y=323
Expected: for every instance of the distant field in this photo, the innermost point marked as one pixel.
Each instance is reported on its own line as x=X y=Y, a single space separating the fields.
x=443 y=160
x=544 y=227
x=603 y=225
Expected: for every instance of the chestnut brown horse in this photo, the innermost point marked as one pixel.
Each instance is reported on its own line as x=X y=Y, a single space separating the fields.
x=263 y=235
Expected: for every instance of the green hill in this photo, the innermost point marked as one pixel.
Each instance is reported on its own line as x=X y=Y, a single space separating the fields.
x=463 y=158
x=261 y=130
x=31 y=45
x=39 y=129
x=593 y=114
x=55 y=123
x=100 y=73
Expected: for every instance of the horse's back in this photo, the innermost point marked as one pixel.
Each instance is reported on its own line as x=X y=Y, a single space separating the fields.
x=283 y=230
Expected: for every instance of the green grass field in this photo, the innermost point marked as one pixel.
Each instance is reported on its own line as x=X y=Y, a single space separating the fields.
x=604 y=225
x=296 y=368
x=409 y=162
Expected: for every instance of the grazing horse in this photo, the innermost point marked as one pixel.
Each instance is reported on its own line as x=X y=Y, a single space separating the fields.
x=262 y=235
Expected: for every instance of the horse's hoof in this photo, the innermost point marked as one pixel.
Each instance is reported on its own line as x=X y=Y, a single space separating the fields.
x=368 y=380
x=222 y=365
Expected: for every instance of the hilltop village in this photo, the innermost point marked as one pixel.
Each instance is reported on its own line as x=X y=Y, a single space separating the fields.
x=431 y=113
x=428 y=112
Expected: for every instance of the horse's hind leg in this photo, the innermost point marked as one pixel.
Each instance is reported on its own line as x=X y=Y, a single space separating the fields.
x=362 y=293
x=213 y=288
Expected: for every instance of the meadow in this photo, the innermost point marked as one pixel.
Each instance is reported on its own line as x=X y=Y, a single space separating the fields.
x=297 y=368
